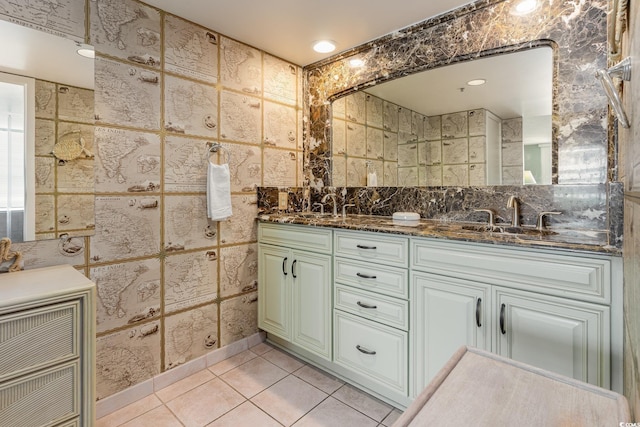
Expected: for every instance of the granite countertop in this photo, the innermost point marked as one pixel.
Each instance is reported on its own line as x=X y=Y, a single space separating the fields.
x=575 y=240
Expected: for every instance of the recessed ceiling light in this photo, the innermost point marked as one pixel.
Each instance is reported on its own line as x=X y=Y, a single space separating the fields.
x=526 y=6
x=476 y=82
x=356 y=62
x=324 y=46
x=85 y=50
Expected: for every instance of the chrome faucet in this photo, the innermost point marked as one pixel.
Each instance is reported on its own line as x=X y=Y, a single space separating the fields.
x=515 y=205
x=344 y=209
x=335 y=204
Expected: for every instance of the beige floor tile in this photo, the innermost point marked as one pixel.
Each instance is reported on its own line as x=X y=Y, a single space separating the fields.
x=288 y=400
x=332 y=412
x=158 y=417
x=253 y=377
x=261 y=348
x=318 y=378
x=184 y=385
x=246 y=414
x=392 y=418
x=232 y=362
x=129 y=412
x=283 y=360
x=363 y=402
x=205 y=403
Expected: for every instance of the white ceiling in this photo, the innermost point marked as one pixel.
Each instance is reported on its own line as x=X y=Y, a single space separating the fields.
x=288 y=28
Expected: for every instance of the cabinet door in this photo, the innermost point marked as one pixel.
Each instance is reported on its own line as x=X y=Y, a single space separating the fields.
x=446 y=314
x=311 y=288
x=560 y=335
x=274 y=290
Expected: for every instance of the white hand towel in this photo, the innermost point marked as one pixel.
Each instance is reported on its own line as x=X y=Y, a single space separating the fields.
x=218 y=192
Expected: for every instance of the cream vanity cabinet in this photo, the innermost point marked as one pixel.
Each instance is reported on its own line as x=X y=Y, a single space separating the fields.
x=294 y=285
x=553 y=310
x=47 y=348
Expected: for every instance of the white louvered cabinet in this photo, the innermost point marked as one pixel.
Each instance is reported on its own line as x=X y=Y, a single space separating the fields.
x=47 y=348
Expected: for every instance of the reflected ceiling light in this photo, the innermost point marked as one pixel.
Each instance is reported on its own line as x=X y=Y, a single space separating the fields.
x=86 y=50
x=324 y=46
x=356 y=62
x=526 y=6
x=476 y=82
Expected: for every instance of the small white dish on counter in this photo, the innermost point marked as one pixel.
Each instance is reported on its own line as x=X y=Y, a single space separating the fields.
x=408 y=219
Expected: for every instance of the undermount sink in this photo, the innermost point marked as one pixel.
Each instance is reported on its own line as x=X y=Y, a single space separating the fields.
x=507 y=229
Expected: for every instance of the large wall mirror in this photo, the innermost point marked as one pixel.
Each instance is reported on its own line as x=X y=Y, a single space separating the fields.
x=393 y=109
x=46 y=136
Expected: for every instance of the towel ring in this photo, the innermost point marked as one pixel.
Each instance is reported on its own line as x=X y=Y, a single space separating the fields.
x=623 y=71
x=214 y=147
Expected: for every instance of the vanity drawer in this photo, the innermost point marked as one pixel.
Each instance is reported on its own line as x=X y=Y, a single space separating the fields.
x=578 y=276
x=33 y=339
x=371 y=349
x=390 y=311
x=315 y=239
x=45 y=398
x=372 y=247
x=371 y=277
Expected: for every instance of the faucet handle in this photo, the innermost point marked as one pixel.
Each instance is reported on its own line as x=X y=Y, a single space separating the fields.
x=540 y=221
x=344 y=209
x=321 y=207
x=492 y=217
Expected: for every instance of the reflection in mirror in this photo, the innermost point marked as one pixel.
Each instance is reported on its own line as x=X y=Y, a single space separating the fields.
x=438 y=128
x=46 y=136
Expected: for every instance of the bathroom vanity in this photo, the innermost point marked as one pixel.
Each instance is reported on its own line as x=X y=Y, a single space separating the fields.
x=47 y=348
x=384 y=307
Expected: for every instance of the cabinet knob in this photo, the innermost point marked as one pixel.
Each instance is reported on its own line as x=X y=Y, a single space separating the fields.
x=364 y=350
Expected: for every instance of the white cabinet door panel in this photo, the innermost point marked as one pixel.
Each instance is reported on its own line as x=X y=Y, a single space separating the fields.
x=274 y=290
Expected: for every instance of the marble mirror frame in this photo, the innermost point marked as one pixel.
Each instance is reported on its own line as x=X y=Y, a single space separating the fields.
x=577 y=31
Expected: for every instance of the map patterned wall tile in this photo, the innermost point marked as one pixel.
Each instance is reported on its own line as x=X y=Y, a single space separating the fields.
x=126 y=95
x=46 y=253
x=423 y=153
x=406 y=138
x=477 y=149
x=190 y=279
x=75 y=212
x=75 y=176
x=339 y=108
x=82 y=133
x=407 y=177
x=126 y=227
x=434 y=175
x=433 y=128
x=238 y=269
x=375 y=143
x=45 y=175
x=239 y=318
x=126 y=358
x=339 y=138
x=280 y=126
x=477 y=123
x=512 y=153
x=240 y=118
x=45 y=213
x=512 y=175
x=407 y=155
x=190 y=50
x=75 y=104
x=242 y=226
x=61 y=16
x=45 y=100
x=377 y=166
x=512 y=130
x=422 y=176
x=455 y=151
x=185 y=164
x=405 y=118
x=433 y=152
x=300 y=171
x=190 y=108
x=186 y=225
x=127 y=293
x=356 y=172
x=455 y=125
x=245 y=167
x=374 y=111
x=190 y=334
x=417 y=125
x=240 y=66
x=280 y=168
x=280 y=80
x=45 y=137
x=390 y=174
x=390 y=146
x=477 y=175
x=390 y=116
x=356 y=108
x=356 y=140
x=126 y=161
x=339 y=171
x=455 y=175
x=126 y=29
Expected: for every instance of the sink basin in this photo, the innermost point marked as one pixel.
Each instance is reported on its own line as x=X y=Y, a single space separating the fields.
x=506 y=229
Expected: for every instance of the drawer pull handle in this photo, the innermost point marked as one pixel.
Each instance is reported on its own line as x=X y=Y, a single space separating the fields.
x=366 y=276
x=502 y=314
x=365 y=351
x=284 y=266
x=293 y=266
x=366 y=247
x=478 y=305
x=363 y=305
